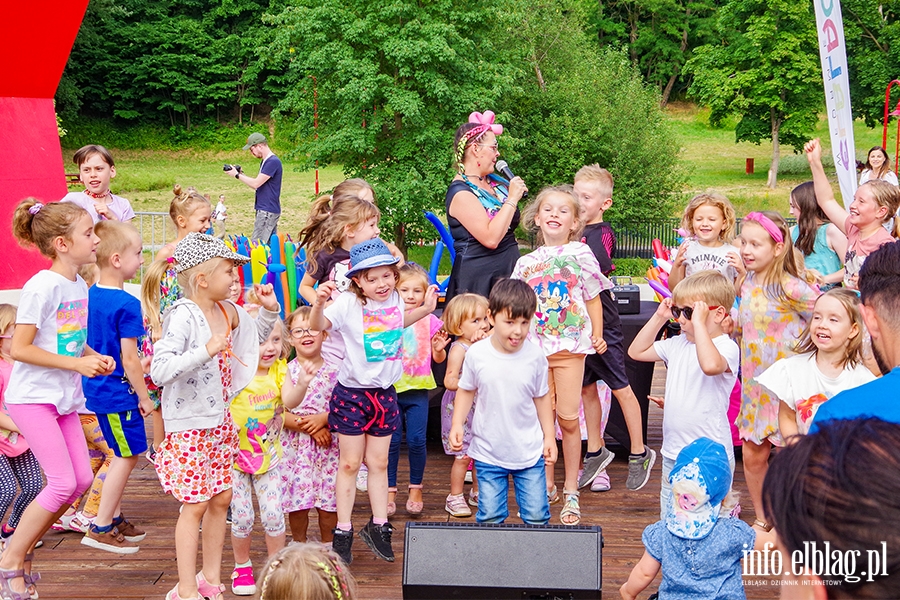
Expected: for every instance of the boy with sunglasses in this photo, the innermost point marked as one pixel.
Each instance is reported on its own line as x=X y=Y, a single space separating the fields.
x=702 y=366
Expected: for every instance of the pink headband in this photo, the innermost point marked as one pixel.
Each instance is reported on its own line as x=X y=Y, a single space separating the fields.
x=767 y=224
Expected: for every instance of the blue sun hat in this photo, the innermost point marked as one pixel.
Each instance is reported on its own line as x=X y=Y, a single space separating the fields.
x=368 y=255
x=701 y=478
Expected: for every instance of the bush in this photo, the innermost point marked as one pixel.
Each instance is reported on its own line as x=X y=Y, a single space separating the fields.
x=112 y=133
x=631 y=267
x=796 y=164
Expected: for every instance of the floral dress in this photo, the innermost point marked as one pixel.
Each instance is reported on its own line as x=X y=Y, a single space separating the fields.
x=768 y=329
x=309 y=471
x=447 y=417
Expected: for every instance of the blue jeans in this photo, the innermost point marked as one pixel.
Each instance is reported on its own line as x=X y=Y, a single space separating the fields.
x=414 y=413
x=531 y=493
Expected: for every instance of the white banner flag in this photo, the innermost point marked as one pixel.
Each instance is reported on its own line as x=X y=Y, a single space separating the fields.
x=833 y=53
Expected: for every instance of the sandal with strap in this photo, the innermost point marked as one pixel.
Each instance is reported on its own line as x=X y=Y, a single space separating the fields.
x=415 y=508
x=392 y=504
x=208 y=590
x=570 y=509
x=6 y=592
x=173 y=595
x=553 y=495
x=31 y=579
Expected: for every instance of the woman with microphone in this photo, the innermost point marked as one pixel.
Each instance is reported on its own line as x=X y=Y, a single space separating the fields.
x=481 y=210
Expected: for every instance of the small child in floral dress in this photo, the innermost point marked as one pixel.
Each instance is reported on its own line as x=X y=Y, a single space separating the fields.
x=309 y=460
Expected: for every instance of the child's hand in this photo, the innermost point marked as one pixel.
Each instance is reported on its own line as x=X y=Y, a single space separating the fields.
x=550 y=451
x=324 y=292
x=664 y=310
x=737 y=263
x=216 y=344
x=146 y=407
x=658 y=400
x=480 y=335
x=439 y=341
x=93 y=365
x=110 y=364
x=813 y=149
x=728 y=325
x=266 y=295
x=102 y=209
x=145 y=364
x=853 y=282
x=322 y=438
x=456 y=438
x=430 y=301
x=307 y=371
x=599 y=344
x=701 y=311
x=312 y=424
x=681 y=256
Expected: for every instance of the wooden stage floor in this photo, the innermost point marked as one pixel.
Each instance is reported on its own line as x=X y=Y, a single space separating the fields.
x=72 y=571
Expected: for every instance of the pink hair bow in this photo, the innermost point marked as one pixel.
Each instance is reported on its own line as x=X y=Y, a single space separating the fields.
x=486 y=118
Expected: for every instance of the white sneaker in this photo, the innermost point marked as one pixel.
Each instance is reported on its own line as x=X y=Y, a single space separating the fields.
x=362 y=479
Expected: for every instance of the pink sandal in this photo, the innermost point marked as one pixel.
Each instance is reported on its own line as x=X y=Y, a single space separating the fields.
x=415 y=508
x=392 y=505
x=208 y=590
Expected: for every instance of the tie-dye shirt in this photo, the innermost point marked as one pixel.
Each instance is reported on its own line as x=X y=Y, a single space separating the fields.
x=372 y=337
x=416 y=352
x=564 y=279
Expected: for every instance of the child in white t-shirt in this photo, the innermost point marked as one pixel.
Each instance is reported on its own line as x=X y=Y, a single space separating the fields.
x=829 y=361
x=702 y=367
x=512 y=428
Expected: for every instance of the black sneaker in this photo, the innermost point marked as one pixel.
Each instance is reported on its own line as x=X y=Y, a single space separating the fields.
x=378 y=538
x=228 y=515
x=343 y=540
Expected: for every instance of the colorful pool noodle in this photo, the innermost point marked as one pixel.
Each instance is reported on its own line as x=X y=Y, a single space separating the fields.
x=659 y=251
x=659 y=288
x=258 y=262
x=245 y=271
x=291 y=273
x=276 y=269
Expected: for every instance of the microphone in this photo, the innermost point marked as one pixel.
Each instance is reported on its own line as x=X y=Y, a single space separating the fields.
x=503 y=167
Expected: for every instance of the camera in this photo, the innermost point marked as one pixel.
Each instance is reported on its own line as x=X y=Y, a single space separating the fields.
x=235 y=167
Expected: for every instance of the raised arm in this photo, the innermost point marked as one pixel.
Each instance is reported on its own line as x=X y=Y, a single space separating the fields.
x=317 y=319
x=466 y=208
x=824 y=194
x=642 y=346
x=711 y=360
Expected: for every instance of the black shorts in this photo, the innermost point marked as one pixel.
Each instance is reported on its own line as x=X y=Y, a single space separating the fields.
x=609 y=366
x=356 y=411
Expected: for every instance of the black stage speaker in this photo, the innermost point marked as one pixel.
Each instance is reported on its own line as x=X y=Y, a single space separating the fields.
x=494 y=560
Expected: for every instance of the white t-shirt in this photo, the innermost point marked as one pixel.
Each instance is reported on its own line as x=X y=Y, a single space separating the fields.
x=563 y=278
x=696 y=403
x=798 y=382
x=373 y=336
x=703 y=258
x=59 y=309
x=506 y=431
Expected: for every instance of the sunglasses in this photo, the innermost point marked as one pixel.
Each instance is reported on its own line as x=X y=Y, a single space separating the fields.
x=687 y=311
x=302 y=333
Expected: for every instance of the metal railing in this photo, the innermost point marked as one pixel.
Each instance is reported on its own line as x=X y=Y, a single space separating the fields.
x=155 y=232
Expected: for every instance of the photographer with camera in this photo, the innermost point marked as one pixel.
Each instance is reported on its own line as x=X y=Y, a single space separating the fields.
x=267 y=185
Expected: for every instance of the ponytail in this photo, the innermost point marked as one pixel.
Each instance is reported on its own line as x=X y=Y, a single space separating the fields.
x=37 y=224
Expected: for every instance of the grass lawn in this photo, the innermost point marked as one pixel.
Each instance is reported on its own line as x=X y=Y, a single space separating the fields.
x=716 y=162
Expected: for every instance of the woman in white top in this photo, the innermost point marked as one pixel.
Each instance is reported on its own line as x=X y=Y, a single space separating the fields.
x=877 y=167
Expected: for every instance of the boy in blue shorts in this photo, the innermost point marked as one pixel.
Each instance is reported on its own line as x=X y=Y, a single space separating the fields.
x=594 y=188
x=120 y=399
x=513 y=432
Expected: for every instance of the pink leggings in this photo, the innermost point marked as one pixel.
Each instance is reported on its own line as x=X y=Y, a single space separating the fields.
x=58 y=443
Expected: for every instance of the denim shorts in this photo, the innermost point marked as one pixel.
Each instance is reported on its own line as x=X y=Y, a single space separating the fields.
x=357 y=411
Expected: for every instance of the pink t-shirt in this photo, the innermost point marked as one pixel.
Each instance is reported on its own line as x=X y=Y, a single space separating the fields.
x=858 y=249
x=11 y=443
x=118 y=205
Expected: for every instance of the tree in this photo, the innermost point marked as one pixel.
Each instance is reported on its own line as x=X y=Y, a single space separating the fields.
x=766 y=71
x=659 y=35
x=872 y=31
x=394 y=80
x=579 y=105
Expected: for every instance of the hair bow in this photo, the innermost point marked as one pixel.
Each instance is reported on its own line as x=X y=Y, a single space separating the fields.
x=486 y=118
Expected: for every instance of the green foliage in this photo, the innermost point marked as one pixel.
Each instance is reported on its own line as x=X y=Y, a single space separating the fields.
x=618 y=125
x=872 y=31
x=207 y=135
x=766 y=70
x=631 y=267
x=659 y=35
x=393 y=80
